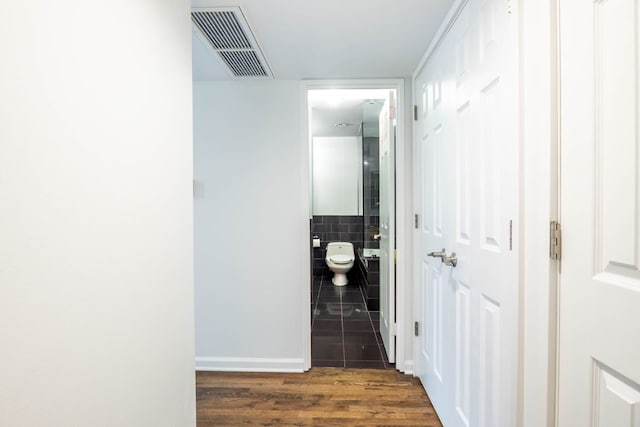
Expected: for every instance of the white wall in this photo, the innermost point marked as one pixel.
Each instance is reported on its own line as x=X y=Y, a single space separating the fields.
x=251 y=226
x=96 y=300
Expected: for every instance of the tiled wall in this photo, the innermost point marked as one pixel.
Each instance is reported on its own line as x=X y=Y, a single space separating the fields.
x=371 y=184
x=334 y=229
x=373 y=228
x=370 y=282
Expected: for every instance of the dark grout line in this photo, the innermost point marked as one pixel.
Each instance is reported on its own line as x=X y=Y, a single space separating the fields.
x=380 y=345
x=383 y=356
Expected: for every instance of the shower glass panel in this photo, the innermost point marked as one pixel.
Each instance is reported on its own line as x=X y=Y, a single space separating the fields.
x=370 y=172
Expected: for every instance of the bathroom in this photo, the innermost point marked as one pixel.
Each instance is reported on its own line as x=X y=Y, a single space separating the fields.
x=345 y=208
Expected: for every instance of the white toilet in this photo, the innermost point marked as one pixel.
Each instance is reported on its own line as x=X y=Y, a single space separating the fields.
x=340 y=258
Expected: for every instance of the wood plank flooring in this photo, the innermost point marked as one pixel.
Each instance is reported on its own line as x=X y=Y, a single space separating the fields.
x=321 y=397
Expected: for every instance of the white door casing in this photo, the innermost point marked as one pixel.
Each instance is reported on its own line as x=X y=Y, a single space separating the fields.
x=387 y=226
x=599 y=294
x=404 y=331
x=467 y=183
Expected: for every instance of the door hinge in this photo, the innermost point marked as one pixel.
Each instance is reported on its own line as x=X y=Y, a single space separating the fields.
x=394 y=329
x=415 y=112
x=415 y=329
x=555 y=241
x=415 y=221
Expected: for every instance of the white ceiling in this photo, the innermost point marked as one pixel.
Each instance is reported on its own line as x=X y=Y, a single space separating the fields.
x=332 y=39
x=350 y=106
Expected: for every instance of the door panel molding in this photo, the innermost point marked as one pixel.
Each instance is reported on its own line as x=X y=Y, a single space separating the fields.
x=616 y=400
x=616 y=114
x=598 y=371
x=467 y=143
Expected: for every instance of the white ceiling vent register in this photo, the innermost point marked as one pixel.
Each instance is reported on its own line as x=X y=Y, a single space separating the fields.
x=227 y=32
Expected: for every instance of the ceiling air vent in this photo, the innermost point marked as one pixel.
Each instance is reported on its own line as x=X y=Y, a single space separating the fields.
x=229 y=35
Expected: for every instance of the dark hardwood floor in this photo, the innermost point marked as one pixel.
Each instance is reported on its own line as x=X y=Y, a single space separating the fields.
x=320 y=397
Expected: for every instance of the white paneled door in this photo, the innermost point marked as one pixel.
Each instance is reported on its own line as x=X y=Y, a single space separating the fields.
x=599 y=303
x=466 y=199
x=387 y=227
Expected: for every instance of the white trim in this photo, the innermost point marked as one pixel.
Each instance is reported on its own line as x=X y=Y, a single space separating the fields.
x=408 y=367
x=417 y=200
x=249 y=364
x=401 y=138
x=402 y=306
x=539 y=192
x=305 y=158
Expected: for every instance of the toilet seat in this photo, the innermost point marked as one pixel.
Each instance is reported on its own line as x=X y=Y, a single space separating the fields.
x=341 y=259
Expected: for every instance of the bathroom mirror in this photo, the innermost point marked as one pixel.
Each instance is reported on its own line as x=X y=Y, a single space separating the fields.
x=340 y=121
x=336 y=182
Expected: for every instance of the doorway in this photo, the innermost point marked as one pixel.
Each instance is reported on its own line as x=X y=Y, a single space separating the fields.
x=353 y=200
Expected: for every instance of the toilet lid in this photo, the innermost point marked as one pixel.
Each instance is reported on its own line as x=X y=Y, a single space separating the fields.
x=341 y=259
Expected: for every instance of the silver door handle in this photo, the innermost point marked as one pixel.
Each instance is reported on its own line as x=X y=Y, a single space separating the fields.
x=441 y=254
x=451 y=260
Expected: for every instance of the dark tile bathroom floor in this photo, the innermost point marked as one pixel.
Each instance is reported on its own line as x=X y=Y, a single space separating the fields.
x=343 y=332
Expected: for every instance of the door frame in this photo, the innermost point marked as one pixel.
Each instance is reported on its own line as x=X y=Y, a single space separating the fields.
x=403 y=239
x=539 y=201
x=540 y=162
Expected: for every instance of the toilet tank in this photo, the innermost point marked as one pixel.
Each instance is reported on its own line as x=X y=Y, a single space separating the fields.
x=340 y=248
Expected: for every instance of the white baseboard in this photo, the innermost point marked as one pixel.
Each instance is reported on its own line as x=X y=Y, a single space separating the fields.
x=249 y=364
x=408 y=367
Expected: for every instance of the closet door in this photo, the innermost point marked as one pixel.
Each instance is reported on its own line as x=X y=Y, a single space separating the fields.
x=467 y=180
x=599 y=346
